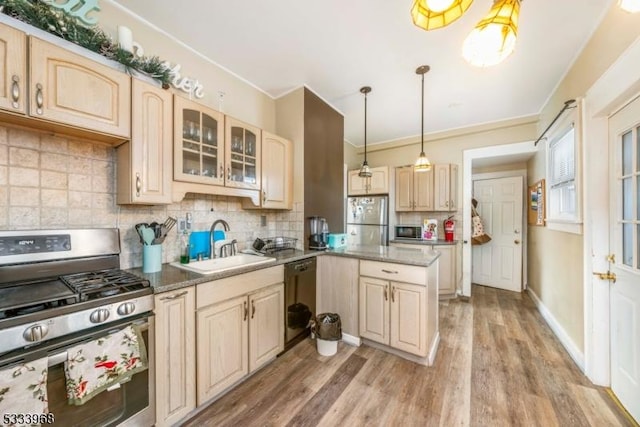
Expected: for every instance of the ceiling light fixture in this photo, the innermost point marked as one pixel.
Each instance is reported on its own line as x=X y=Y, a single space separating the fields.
x=494 y=37
x=434 y=14
x=422 y=163
x=365 y=170
x=631 y=6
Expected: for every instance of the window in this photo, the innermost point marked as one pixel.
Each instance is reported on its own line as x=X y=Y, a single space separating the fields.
x=563 y=178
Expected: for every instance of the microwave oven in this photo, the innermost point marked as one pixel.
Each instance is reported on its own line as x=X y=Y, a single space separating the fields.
x=409 y=232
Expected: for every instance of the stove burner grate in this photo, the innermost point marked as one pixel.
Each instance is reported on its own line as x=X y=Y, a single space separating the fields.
x=103 y=283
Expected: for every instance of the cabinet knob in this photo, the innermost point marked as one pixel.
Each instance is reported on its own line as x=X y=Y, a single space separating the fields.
x=386 y=298
x=138 y=184
x=253 y=308
x=39 y=99
x=246 y=311
x=393 y=292
x=15 y=91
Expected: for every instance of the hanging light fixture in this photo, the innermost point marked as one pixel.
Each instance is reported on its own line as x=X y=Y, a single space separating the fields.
x=365 y=170
x=632 y=6
x=494 y=37
x=422 y=163
x=434 y=14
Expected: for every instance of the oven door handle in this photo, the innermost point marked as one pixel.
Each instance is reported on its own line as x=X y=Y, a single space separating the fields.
x=56 y=350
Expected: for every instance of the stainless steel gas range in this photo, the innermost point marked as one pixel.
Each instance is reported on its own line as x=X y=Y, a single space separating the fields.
x=61 y=288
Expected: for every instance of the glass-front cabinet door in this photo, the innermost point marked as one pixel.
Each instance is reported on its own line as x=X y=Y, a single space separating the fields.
x=242 y=155
x=198 y=143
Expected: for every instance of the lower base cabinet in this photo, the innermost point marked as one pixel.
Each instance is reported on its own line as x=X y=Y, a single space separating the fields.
x=237 y=336
x=394 y=314
x=449 y=268
x=175 y=355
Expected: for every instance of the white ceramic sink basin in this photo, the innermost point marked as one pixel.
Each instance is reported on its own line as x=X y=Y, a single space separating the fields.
x=217 y=265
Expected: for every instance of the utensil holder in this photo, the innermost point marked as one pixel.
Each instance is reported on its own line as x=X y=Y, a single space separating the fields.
x=151 y=258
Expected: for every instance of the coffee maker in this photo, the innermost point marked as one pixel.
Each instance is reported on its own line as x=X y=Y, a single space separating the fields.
x=318 y=233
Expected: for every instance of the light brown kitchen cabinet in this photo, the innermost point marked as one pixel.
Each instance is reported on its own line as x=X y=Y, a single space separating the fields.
x=13 y=77
x=240 y=324
x=145 y=162
x=446 y=187
x=377 y=183
x=277 y=174
x=394 y=306
x=199 y=149
x=73 y=90
x=414 y=190
x=242 y=158
x=266 y=325
x=449 y=268
x=175 y=355
x=394 y=314
x=223 y=346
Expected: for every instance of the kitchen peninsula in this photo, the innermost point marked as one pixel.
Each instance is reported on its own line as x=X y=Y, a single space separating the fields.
x=387 y=297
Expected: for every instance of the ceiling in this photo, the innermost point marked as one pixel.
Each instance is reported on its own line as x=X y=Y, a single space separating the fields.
x=334 y=47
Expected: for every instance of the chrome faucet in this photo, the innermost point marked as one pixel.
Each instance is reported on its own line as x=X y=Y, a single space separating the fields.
x=212 y=239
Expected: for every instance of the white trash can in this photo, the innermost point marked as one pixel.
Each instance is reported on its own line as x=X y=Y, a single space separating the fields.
x=327 y=348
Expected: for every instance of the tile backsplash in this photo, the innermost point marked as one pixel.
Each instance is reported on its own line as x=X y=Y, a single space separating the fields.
x=49 y=182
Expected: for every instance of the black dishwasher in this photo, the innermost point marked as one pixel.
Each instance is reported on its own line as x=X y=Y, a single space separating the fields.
x=299 y=299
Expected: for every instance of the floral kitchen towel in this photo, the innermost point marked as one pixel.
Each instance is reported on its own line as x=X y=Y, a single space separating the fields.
x=97 y=365
x=23 y=390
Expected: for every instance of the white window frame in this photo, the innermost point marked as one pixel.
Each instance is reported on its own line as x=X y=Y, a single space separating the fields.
x=569 y=222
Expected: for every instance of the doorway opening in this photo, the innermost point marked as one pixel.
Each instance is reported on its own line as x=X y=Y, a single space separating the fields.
x=490 y=162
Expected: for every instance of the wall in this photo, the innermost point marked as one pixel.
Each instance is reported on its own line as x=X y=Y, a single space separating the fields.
x=241 y=99
x=445 y=147
x=558 y=281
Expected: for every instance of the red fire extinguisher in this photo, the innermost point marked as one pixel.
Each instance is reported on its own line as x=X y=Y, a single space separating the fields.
x=449 y=225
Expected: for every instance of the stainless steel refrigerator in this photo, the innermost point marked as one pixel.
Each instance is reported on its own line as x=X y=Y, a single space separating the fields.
x=368 y=220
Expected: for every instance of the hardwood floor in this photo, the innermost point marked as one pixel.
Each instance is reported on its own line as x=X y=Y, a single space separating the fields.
x=498 y=365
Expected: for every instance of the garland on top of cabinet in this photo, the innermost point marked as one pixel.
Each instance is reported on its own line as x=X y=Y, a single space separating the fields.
x=67 y=27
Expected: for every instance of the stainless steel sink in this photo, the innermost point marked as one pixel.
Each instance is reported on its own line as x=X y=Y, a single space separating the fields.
x=218 y=265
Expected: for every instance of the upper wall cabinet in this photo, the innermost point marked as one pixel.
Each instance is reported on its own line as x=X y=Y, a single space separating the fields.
x=277 y=173
x=446 y=187
x=13 y=71
x=144 y=162
x=377 y=183
x=71 y=89
x=414 y=190
x=243 y=149
x=198 y=143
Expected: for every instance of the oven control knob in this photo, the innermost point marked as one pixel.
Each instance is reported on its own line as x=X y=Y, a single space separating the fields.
x=99 y=315
x=35 y=333
x=126 y=308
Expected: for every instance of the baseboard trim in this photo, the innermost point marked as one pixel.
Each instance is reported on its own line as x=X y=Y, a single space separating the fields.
x=351 y=340
x=558 y=330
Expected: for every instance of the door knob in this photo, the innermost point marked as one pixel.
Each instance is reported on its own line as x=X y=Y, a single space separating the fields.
x=606 y=276
x=517 y=242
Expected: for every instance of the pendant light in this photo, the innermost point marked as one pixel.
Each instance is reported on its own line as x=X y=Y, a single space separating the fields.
x=422 y=163
x=631 y=6
x=434 y=14
x=365 y=171
x=494 y=37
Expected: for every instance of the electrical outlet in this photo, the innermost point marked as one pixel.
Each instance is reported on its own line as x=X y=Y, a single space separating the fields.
x=182 y=225
x=263 y=220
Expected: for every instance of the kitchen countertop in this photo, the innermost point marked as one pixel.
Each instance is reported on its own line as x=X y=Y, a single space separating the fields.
x=171 y=278
x=387 y=254
x=439 y=242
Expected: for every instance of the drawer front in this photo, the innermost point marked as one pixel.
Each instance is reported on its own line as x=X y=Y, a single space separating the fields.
x=230 y=287
x=394 y=272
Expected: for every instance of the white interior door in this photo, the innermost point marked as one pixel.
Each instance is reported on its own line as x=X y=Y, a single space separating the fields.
x=624 y=146
x=498 y=263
